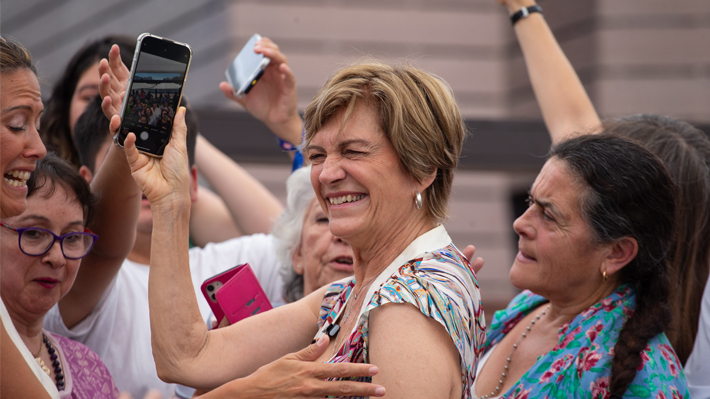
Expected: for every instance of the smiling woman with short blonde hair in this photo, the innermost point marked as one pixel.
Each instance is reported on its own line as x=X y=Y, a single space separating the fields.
x=383 y=147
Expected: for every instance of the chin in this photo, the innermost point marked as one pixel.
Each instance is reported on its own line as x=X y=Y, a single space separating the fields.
x=341 y=229
x=12 y=206
x=520 y=279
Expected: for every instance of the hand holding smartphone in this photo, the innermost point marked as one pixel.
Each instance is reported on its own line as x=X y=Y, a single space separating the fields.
x=247 y=68
x=235 y=294
x=154 y=91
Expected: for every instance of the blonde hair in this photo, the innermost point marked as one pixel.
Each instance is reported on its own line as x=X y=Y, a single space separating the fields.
x=417 y=112
x=14 y=56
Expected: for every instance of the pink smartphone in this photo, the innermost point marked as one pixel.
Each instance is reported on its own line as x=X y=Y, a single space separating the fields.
x=236 y=294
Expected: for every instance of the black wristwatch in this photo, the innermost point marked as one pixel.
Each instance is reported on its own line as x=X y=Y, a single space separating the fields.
x=524 y=12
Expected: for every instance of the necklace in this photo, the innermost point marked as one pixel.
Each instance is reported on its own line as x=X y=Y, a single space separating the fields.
x=515 y=346
x=53 y=356
x=335 y=327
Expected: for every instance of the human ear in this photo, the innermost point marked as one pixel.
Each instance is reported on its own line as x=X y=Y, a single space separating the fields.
x=427 y=180
x=621 y=253
x=296 y=259
x=85 y=172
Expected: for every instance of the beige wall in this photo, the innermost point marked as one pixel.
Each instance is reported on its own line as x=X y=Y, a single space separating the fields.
x=633 y=55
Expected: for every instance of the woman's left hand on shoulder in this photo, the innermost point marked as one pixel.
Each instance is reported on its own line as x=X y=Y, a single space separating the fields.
x=298 y=375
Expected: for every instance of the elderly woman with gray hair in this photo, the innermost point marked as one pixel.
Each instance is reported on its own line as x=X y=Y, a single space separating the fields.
x=310 y=255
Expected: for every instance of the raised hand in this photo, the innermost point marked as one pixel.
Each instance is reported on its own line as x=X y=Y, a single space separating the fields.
x=476 y=264
x=164 y=181
x=114 y=79
x=273 y=100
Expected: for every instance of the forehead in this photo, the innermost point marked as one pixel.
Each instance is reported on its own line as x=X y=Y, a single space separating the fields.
x=90 y=74
x=362 y=124
x=556 y=184
x=55 y=202
x=20 y=87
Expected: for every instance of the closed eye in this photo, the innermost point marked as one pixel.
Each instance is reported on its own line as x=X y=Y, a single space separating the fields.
x=316 y=158
x=352 y=153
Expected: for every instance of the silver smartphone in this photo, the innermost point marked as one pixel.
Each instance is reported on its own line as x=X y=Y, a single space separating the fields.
x=247 y=68
x=154 y=91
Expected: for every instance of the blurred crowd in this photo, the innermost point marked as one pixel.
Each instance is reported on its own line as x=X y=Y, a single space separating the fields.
x=105 y=248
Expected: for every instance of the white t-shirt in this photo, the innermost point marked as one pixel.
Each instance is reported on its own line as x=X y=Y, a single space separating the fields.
x=118 y=328
x=697 y=368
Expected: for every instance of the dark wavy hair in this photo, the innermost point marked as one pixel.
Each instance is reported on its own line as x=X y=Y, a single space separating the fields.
x=628 y=193
x=56 y=133
x=53 y=171
x=685 y=150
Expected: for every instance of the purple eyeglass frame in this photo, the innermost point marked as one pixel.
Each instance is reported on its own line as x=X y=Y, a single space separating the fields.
x=56 y=238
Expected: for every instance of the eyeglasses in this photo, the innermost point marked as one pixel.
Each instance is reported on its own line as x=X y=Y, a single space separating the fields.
x=34 y=241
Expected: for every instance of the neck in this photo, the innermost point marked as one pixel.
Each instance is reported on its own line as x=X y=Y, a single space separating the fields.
x=564 y=310
x=377 y=251
x=141 y=248
x=28 y=326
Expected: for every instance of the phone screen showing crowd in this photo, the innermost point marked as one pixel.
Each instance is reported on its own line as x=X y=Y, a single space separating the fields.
x=155 y=92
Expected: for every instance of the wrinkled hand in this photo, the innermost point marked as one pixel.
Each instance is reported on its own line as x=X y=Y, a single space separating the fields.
x=297 y=375
x=162 y=180
x=476 y=264
x=273 y=100
x=114 y=79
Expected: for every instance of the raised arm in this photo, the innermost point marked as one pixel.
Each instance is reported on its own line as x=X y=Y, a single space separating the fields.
x=252 y=206
x=184 y=351
x=211 y=219
x=565 y=105
x=274 y=99
x=115 y=218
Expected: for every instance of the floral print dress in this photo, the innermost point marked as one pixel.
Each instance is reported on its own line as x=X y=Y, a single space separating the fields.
x=580 y=365
x=435 y=277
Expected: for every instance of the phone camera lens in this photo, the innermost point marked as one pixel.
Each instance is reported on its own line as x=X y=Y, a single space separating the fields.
x=210 y=288
x=213 y=298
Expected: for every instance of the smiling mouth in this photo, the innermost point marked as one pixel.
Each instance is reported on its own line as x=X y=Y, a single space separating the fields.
x=17 y=178
x=345 y=199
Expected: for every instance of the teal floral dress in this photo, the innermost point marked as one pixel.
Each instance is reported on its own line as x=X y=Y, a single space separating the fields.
x=580 y=365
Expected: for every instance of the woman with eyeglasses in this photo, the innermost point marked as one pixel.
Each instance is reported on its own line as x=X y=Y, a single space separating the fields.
x=42 y=249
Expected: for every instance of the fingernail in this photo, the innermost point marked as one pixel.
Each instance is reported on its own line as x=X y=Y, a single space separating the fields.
x=380 y=391
x=321 y=340
x=373 y=370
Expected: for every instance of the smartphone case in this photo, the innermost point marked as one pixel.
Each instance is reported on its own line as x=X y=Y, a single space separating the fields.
x=217 y=282
x=239 y=297
x=242 y=296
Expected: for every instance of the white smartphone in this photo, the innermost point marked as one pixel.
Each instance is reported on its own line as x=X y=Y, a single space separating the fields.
x=247 y=68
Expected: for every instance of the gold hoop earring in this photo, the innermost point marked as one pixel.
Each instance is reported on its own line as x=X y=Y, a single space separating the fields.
x=604 y=275
x=418 y=200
